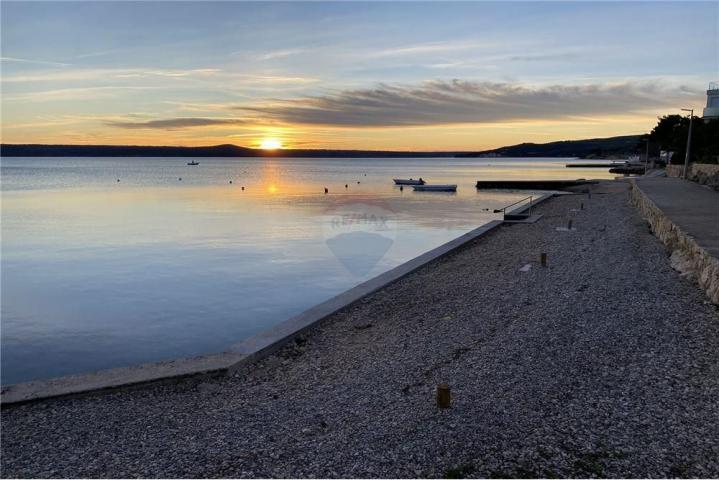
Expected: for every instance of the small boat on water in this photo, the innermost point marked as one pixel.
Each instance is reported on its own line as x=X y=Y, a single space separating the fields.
x=435 y=188
x=193 y=162
x=411 y=181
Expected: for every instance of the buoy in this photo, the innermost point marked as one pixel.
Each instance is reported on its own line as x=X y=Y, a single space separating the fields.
x=346 y=186
x=357 y=182
x=243 y=189
x=401 y=188
x=180 y=179
x=118 y=179
x=230 y=181
x=326 y=190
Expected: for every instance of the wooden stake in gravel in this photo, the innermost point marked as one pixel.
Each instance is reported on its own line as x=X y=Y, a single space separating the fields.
x=543 y=259
x=444 y=398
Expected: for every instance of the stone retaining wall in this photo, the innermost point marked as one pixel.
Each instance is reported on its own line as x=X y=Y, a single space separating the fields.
x=674 y=170
x=687 y=256
x=702 y=173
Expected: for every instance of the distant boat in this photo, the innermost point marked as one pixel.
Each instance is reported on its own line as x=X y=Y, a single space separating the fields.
x=435 y=188
x=411 y=181
x=193 y=163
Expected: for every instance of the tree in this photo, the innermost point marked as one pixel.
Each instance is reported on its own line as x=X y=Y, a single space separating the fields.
x=671 y=132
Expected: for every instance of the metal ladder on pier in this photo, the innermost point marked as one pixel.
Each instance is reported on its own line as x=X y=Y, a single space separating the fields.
x=518 y=214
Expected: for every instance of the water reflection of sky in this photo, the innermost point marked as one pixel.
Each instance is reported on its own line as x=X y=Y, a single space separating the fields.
x=98 y=273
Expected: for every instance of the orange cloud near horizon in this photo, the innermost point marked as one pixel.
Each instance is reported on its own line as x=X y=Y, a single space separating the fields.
x=459 y=137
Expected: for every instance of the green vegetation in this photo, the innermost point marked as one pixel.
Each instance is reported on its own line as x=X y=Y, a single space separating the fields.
x=671 y=132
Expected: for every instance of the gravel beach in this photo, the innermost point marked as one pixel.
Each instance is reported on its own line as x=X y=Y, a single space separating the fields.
x=605 y=363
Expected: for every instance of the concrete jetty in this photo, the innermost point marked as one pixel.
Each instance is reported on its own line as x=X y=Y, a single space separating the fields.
x=531 y=184
x=628 y=170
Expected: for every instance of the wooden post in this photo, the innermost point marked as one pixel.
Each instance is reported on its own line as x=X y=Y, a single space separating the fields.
x=444 y=398
x=543 y=259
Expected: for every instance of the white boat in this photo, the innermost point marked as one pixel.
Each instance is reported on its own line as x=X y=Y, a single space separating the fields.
x=411 y=181
x=435 y=188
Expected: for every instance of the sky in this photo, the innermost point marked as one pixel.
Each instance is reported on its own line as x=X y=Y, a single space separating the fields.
x=349 y=75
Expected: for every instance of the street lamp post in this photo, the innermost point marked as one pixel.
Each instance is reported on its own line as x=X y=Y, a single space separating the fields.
x=689 y=141
x=646 y=158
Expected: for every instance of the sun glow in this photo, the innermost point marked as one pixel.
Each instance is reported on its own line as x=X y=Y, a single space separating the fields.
x=270 y=143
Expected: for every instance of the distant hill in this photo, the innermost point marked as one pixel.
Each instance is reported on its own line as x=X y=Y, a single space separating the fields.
x=591 y=148
x=29 y=150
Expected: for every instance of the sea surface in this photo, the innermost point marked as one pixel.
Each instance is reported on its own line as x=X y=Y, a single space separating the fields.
x=111 y=262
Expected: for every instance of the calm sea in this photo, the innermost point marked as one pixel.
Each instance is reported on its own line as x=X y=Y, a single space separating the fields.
x=111 y=262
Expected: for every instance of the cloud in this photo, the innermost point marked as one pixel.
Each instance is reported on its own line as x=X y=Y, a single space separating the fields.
x=176 y=123
x=34 y=62
x=90 y=74
x=428 y=48
x=457 y=101
x=546 y=57
x=80 y=94
x=272 y=55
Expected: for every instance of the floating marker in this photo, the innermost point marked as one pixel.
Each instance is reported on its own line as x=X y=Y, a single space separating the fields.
x=444 y=396
x=569 y=224
x=243 y=189
x=401 y=188
x=326 y=190
x=179 y=179
x=346 y=186
x=118 y=179
x=581 y=206
x=230 y=181
x=358 y=182
x=543 y=259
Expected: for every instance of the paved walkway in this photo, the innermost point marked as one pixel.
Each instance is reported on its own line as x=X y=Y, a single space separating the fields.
x=692 y=207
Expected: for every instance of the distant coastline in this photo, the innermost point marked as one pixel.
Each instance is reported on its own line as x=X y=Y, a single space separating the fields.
x=611 y=147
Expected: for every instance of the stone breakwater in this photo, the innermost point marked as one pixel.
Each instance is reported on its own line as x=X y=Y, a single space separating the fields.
x=601 y=364
x=687 y=256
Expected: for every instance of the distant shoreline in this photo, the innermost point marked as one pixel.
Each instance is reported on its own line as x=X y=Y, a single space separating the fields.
x=613 y=147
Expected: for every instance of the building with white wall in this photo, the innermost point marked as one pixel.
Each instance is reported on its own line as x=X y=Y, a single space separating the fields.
x=712 y=108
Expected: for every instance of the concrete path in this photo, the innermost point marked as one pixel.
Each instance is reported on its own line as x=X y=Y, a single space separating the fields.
x=692 y=207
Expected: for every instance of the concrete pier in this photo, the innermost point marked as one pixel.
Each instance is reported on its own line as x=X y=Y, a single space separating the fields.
x=531 y=184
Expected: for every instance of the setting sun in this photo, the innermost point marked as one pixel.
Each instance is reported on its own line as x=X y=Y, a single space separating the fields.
x=270 y=144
